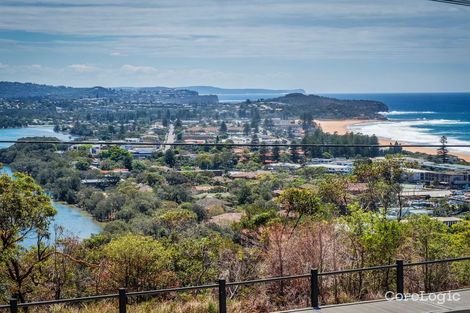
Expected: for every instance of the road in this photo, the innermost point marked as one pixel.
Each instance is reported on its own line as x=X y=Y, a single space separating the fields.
x=170 y=137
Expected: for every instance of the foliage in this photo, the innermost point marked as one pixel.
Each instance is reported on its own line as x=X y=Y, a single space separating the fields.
x=320 y=137
x=137 y=262
x=118 y=155
x=24 y=209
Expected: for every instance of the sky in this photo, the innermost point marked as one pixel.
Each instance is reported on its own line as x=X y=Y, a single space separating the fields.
x=322 y=46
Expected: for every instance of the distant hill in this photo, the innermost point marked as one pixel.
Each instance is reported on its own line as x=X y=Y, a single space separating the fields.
x=15 y=90
x=296 y=104
x=209 y=90
x=292 y=103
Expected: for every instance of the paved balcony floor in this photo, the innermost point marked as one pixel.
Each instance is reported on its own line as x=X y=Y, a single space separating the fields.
x=383 y=306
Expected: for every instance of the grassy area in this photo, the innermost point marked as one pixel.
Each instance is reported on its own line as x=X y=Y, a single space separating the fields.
x=194 y=306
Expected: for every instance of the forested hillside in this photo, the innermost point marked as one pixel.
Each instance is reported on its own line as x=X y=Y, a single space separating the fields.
x=330 y=108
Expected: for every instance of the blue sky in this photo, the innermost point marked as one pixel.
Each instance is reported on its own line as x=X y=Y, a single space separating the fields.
x=318 y=45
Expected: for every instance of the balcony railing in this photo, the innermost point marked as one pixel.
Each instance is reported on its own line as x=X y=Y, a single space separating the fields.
x=122 y=295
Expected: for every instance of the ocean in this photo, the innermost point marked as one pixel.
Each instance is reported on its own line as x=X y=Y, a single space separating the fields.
x=420 y=118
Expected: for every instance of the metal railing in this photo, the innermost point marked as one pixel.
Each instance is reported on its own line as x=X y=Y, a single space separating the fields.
x=230 y=145
x=222 y=285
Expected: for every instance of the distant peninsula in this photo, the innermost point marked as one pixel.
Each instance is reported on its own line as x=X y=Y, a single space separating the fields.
x=210 y=90
x=283 y=103
x=319 y=107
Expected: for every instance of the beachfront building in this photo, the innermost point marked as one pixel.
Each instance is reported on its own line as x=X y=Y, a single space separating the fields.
x=332 y=168
x=456 y=179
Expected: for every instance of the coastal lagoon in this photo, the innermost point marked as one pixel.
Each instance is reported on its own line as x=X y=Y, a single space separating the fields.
x=71 y=219
x=33 y=131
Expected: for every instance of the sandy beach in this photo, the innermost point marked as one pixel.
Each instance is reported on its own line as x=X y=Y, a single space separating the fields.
x=342 y=126
x=338 y=126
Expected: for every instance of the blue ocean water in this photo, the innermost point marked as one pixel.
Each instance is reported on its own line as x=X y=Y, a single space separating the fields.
x=420 y=117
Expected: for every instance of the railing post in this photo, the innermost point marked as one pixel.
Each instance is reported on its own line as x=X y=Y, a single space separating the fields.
x=222 y=296
x=122 y=300
x=13 y=305
x=314 y=290
x=400 y=279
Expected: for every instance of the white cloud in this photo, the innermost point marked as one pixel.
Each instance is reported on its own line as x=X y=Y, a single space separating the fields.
x=128 y=68
x=83 y=68
x=271 y=43
x=285 y=29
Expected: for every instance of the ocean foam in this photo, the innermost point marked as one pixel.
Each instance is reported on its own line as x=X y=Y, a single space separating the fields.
x=405 y=131
x=406 y=112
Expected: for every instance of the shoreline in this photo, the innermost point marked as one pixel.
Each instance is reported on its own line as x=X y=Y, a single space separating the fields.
x=83 y=213
x=342 y=127
x=30 y=126
x=58 y=219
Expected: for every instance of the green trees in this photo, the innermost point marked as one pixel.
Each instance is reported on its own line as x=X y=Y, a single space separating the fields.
x=204 y=161
x=137 y=262
x=460 y=245
x=443 y=152
x=383 y=179
x=177 y=220
x=294 y=154
x=223 y=128
x=300 y=202
x=25 y=210
x=375 y=240
x=319 y=137
x=165 y=122
x=431 y=241
x=430 y=237
x=243 y=193
x=246 y=129
x=156 y=236
x=195 y=259
x=178 y=123
x=169 y=158
x=255 y=142
x=118 y=155
x=332 y=190
x=125 y=202
x=224 y=159
x=82 y=164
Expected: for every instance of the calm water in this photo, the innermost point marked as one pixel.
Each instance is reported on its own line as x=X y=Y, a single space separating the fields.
x=35 y=131
x=69 y=218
